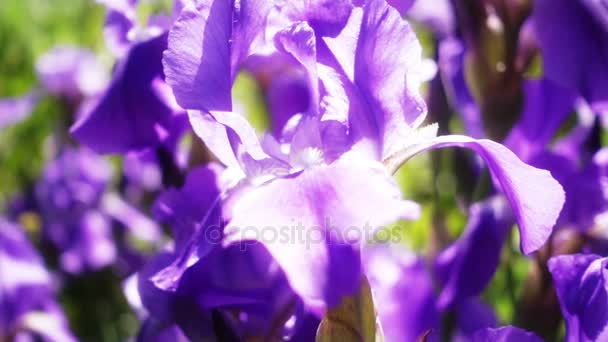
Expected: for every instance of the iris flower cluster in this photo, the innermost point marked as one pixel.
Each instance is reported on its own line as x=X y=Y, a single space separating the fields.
x=284 y=233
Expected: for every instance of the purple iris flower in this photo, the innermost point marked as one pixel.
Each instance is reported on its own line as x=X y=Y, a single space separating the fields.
x=580 y=281
x=28 y=308
x=137 y=108
x=331 y=172
x=79 y=215
x=240 y=286
x=573 y=37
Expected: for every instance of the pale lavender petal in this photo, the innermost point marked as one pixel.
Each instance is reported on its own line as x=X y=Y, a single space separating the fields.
x=327 y=17
x=403 y=293
x=535 y=196
x=438 y=16
x=135 y=222
x=326 y=209
x=197 y=61
x=379 y=54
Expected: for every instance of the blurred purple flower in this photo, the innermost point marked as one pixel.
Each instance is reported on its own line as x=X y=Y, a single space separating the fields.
x=79 y=215
x=71 y=71
x=68 y=195
x=28 y=308
x=17 y=109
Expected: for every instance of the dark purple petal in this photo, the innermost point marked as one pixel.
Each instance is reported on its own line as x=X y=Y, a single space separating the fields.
x=402 y=5
x=299 y=41
x=580 y=281
x=451 y=65
x=285 y=85
x=546 y=106
x=154 y=331
x=194 y=213
x=132 y=111
x=467 y=266
x=474 y=314
x=573 y=37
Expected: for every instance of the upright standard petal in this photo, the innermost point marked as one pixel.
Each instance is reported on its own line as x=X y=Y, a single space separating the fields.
x=206 y=46
x=580 y=281
x=535 y=196
x=379 y=55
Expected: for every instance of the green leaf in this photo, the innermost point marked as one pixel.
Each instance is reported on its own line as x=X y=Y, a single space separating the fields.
x=353 y=320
